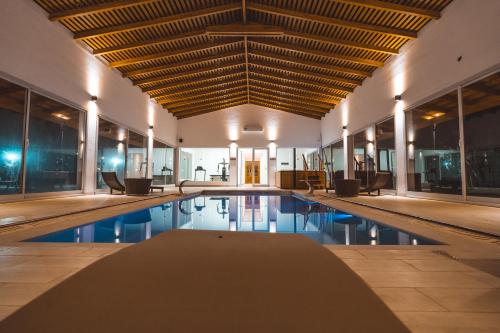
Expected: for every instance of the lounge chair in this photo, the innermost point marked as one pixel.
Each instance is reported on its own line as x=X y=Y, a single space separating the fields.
x=381 y=180
x=112 y=181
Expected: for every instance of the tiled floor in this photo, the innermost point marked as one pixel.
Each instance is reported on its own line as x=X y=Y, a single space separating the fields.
x=28 y=270
x=429 y=292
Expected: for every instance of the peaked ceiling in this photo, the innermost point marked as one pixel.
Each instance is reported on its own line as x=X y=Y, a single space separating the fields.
x=200 y=56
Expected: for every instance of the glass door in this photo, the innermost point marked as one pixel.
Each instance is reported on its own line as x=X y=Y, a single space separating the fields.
x=261 y=163
x=253 y=166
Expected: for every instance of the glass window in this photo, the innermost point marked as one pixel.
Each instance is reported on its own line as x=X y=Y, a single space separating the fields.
x=163 y=164
x=110 y=150
x=433 y=146
x=364 y=164
x=55 y=146
x=386 y=150
x=204 y=164
x=12 y=106
x=334 y=160
x=137 y=155
x=310 y=155
x=481 y=108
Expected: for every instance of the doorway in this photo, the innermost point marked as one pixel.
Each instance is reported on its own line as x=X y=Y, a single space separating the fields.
x=253 y=166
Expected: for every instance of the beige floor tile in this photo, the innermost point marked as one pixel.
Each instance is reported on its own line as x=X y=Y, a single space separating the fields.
x=399 y=254
x=379 y=265
x=478 y=254
x=467 y=300
x=490 y=280
x=439 y=265
x=12 y=260
x=32 y=274
x=345 y=254
x=407 y=299
x=5 y=311
x=17 y=294
x=99 y=251
x=45 y=261
x=421 y=279
x=447 y=322
x=34 y=250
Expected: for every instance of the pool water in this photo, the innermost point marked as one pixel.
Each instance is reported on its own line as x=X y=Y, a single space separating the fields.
x=248 y=213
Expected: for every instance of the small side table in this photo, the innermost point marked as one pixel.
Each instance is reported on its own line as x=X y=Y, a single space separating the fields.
x=347 y=187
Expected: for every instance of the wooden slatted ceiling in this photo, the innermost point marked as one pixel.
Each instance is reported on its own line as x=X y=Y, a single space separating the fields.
x=322 y=49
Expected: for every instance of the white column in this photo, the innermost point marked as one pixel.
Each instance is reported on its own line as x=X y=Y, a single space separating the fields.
x=89 y=182
x=400 y=137
x=272 y=170
x=149 y=173
x=348 y=156
x=233 y=172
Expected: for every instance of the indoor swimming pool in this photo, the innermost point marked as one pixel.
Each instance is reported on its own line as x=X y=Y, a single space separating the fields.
x=239 y=213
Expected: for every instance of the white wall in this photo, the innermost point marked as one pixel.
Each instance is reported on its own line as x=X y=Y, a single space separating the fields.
x=218 y=129
x=43 y=54
x=425 y=66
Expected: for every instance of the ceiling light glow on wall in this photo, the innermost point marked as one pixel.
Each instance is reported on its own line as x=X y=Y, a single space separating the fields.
x=233 y=150
x=272 y=150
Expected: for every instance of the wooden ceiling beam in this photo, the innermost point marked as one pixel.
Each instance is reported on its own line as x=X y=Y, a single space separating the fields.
x=204 y=103
x=400 y=33
x=283 y=109
x=300 y=90
x=200 y=89
x=176 y=65
x=302 y=62
x=245 y=39
x=246 y=67
x=329 y=55
x=394 y=7
x=305 y=73
x=185 y=98
x=196 y=99
x=192 y=83
x=244 y=30
x=315 y=86
x=192 y=72
x=209 y=88
x=289 y=104
x=299 y=98
x=169 y=54
x=209 y=110
x=168 y=19
x=96 y=9
x=195 y=85
x=341 y=42
x=297 y=95
x=150 y=42
x=241 y=99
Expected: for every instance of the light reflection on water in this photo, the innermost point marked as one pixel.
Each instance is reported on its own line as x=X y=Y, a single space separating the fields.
x=250 y=213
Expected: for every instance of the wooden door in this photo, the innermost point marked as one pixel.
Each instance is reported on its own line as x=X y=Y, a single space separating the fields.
x=250 y=168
